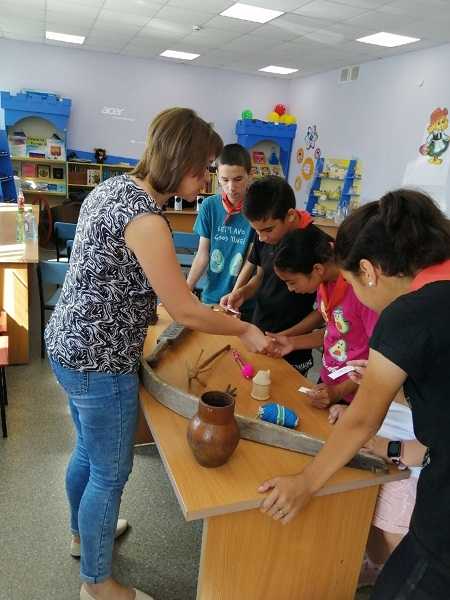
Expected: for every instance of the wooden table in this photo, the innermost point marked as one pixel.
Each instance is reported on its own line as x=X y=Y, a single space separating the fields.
x=245 y=554
x=15 y=261
x=183 y=220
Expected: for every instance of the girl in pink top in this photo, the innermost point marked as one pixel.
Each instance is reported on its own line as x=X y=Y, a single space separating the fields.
x=305 y=262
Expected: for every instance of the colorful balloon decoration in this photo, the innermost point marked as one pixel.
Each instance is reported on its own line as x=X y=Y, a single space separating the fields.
x=246 y=114
x=273 y=117
x=280 y=109
x=288 y=119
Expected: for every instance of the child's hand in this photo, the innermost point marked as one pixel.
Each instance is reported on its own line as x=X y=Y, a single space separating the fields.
x=335 y=412
x=377 y=446
x=360 y=368
x=288 y=495
x=282 y=344
x=322 y=396
x=233 y=300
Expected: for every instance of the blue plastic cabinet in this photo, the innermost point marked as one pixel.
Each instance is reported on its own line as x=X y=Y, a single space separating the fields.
x=252 y=131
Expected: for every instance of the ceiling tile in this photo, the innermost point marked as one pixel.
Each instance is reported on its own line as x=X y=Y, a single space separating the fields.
x=146 y=8
x=323 y=9
x=381 y=21
x=274 y=32
x=16 y=10
x=162 y=28
x=369 y=4
x=210 y=38
x=285 y=5
x=418 y=8
x=214 y=6
x=299 y=24
x=250 y=44
x=15 y=24
x=87 y=3
x=232 y=24
x=26 y=37
x=185 y=17
x=112 y=16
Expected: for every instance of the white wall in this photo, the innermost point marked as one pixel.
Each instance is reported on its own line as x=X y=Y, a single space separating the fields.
x=381 y=118
x=141 y=87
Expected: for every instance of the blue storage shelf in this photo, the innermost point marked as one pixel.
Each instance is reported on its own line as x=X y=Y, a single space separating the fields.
x=347 y=185
x=7 y=187
x=252 y=131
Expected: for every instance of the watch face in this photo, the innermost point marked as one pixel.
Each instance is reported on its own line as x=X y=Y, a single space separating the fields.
x=394 y=449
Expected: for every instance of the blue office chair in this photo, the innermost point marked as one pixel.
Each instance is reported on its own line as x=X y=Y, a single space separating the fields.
x=62 y=233
x=186 y=245
x=69 y=246
x=50 y=273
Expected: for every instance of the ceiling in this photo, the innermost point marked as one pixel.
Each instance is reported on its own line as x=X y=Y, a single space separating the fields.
x=313 y=35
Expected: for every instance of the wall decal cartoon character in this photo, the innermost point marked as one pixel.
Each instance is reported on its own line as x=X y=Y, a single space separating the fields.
x=437 y=141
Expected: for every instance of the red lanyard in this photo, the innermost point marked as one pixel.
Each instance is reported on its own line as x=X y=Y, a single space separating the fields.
x=339 y=291
x=439 y=272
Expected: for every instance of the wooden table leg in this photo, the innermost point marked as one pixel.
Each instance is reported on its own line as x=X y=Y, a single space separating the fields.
x=315 y=557
x=14 y=299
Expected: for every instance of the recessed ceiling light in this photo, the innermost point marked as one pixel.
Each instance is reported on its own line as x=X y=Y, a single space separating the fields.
x=182 y=55
x=65 y=37
x=390 y=40
x=279 y=70
x=247 y=12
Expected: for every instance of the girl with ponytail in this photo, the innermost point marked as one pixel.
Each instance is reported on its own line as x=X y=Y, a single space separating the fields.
x=395 y=253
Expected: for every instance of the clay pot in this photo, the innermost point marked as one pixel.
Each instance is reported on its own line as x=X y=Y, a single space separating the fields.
x=213 y=432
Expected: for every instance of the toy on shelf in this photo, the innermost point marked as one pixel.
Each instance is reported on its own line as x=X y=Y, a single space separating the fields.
x=278 y=414
x=327 y=197
x=247 y=369
x=100 y=155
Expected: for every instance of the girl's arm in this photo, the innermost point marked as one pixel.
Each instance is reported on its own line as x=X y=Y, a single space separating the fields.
x=312 y=321
x=149 y=238
x=288 y=495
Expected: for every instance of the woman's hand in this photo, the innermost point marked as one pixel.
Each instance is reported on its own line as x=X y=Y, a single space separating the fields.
x=360 y=368
x=287 y=496
x=378 y=446
x=255 y=340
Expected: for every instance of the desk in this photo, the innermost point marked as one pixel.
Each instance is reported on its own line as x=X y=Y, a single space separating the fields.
x=15 y=260
x=246 y=555
x=183 y=220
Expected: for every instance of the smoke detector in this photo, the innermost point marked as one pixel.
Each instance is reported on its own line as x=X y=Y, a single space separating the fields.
x=196 y=27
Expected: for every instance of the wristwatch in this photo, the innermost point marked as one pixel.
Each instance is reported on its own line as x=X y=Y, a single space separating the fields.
x=394 y=451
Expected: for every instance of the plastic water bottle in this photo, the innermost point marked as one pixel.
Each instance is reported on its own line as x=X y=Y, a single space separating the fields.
x=20 y=225
x=29 y=225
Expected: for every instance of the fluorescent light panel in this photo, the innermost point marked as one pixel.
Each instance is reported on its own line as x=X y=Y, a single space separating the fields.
x=389 y=40
x=65 y=37
x=278 y=70
x=182 y=55
x=248 y=12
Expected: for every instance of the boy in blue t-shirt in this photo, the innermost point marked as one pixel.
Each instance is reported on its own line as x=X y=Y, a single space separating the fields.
x=225 y=234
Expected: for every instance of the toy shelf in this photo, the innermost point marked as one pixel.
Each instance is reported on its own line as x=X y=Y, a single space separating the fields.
x=45 y=161
x=251 y=132
x=7 y=187
x=325 y=198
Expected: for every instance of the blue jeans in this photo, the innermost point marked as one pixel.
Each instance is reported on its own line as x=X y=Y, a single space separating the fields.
x=104 y=409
